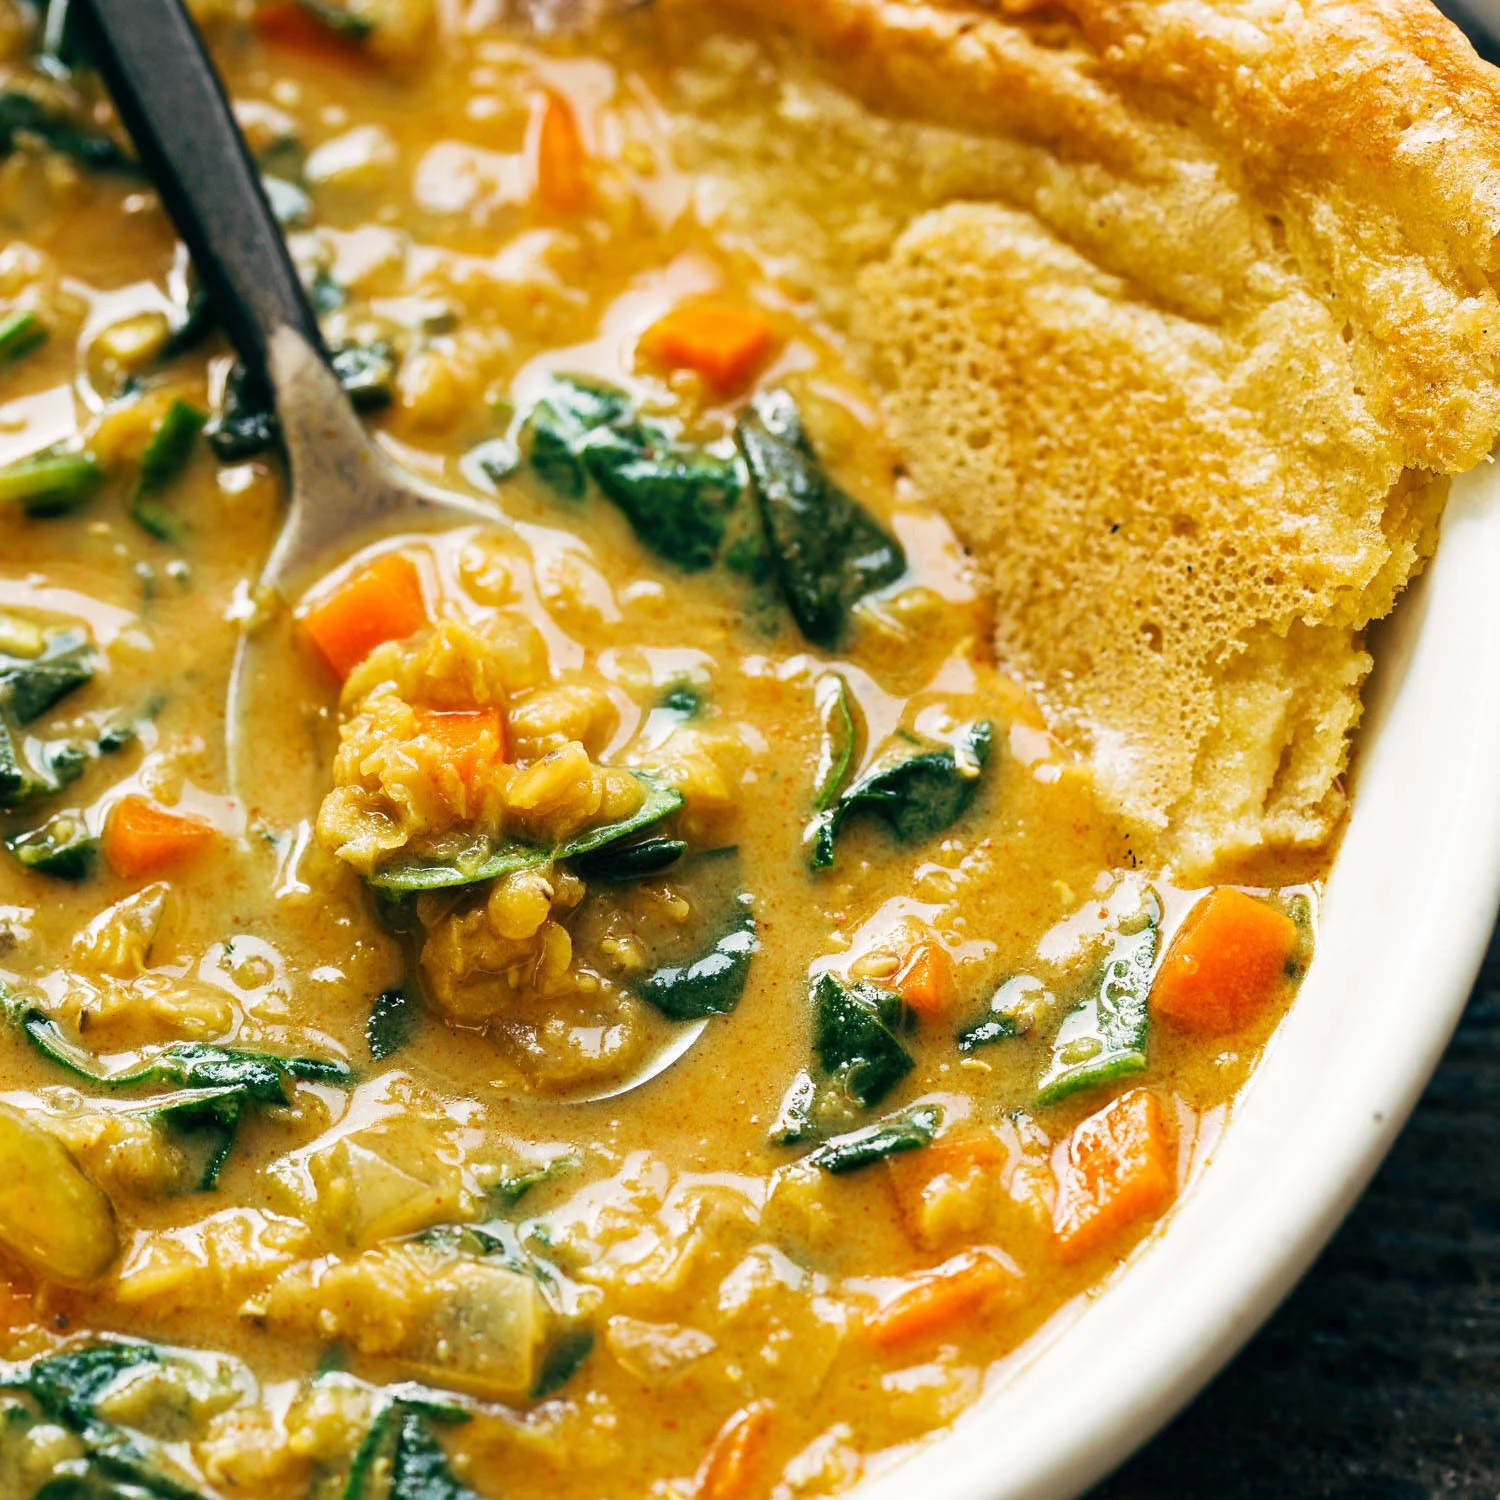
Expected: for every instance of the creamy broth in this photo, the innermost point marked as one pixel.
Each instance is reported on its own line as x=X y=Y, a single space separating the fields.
x=644 y=1294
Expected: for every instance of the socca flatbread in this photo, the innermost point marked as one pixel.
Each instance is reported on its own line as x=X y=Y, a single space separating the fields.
x=1181 y=311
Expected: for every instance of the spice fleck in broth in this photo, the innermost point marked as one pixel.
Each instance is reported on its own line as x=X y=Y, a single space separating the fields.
x=321 y=1175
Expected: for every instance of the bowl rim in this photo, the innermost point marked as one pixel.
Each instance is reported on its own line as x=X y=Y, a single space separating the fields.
x=1257 y=1213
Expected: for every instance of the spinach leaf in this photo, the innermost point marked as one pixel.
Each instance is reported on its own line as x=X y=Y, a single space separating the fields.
x=164 y=458
x=116 y=1464
x=562 y=1360
x=1007 y=1016
x=675 y=497
x=860 y=1059
x=863 y=1148
x=22 y=116
x=684 y=698
x=621 y=862
x=854 y=1038
x=712 y=984
x=62 y=848
x=552 y=436
x=418 y=1468
x=1104 y=1038
x=49 y=768
x=419 y=873
x=915 y=797
x=245 y=424
x=392 y=1019
x=836 y=750
x=216 y=1085
x=509 y=1190
x=341 y=19
x=827 y=551
x=54 y=482
x=21 y=331
x=29 y=686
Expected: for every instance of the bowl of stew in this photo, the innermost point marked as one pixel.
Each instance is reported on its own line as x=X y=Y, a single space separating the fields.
x=862 y=930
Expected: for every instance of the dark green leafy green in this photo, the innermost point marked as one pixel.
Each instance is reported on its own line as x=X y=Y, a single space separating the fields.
x=827 y=551
x=621 y=862
x=62 y=848
x=711 y=984
x=393 y=1017
x=217 y=1085
x=488 y=862
x=165 y=456
x=21 y=331
x=245 y=425
x=1104 y=1038
x=116 y=1464
x=30 y=685
x=418 y=1470
x=23 y=117
x=1006 y=1017
x=915 y=796
x=191 y=323
x=367 y=373
x=855 y=1038
x=836 y=747
x=676 y=497
x=859 y=1059
x=564 y=1356
x=885 y=1138
x=50 y=767
x=342 y=19
x=683 y=698
x=54 y=482
x=514 y=1186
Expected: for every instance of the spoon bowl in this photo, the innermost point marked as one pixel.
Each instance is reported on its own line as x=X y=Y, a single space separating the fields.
x=343 y=490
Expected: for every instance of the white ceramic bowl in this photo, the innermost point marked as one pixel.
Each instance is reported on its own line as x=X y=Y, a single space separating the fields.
x=1410 y=905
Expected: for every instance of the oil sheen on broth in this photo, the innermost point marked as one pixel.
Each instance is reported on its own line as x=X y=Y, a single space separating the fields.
x=308 y=1185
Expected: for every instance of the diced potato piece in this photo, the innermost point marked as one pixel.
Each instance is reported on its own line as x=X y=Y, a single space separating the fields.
x=377 y=1184
x=52 y=1218
x=484 y=1332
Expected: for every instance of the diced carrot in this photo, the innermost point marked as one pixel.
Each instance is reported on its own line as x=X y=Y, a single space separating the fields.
x=141 y=838
x=1118 y=1170
x=1227 y=962
x=473 y=739
x=939 y=1299
x=946 y=1191
x=725 y=342
x=925 y=979
x=289 y=25
x=733 y=1457
x=561 y=162
x=382 y=602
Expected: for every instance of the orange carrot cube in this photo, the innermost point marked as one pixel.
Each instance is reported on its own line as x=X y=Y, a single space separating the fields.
x=473 y=739
x=925 y=980
x=1226 y=964
x=382 y=602
x=142 y=838
x=725 y=342
x=938 y=1300
x=730 y=1468
x=1118 y=1171
x=559 y=158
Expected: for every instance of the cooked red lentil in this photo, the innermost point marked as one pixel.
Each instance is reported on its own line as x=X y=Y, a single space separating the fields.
x=323 y=1175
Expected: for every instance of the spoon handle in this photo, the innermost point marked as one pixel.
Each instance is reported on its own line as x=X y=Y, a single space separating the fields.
x=174 y=108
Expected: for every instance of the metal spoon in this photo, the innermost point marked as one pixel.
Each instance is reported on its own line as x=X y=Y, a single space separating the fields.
x=342 y=487
x=343 y=490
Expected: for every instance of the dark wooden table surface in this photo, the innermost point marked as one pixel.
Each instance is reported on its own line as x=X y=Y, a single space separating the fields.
x=1379 y=1379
